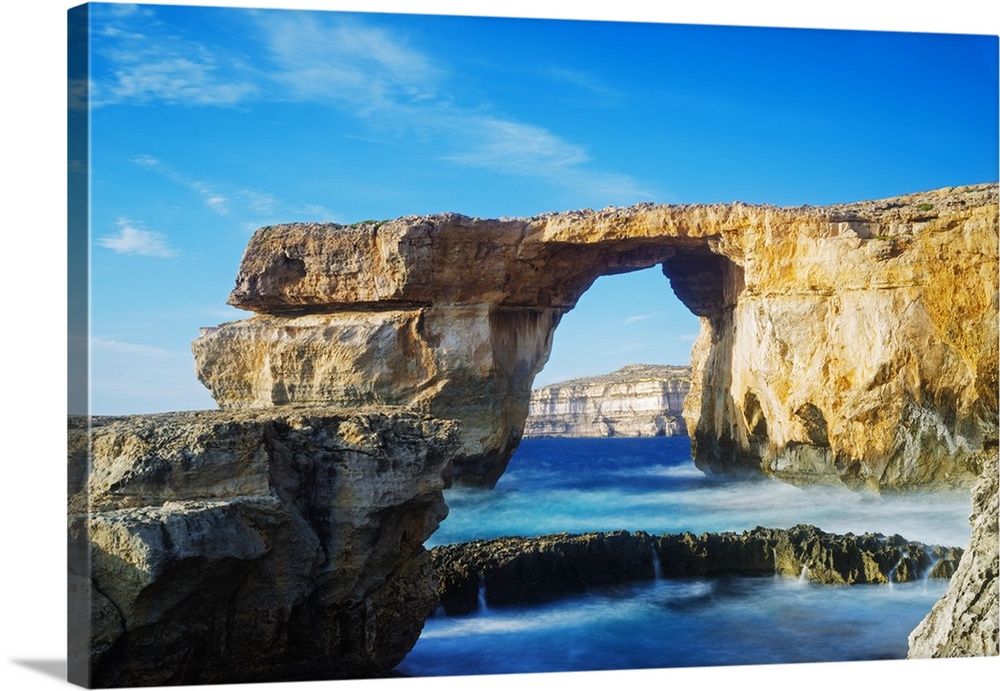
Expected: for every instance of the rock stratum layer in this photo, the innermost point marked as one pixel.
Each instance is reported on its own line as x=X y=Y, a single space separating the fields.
x=854 y=343
x=635 y=401
x=966 y=621
x=219 y=547
x=512 y=570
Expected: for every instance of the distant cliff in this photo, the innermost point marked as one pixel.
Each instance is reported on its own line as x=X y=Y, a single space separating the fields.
x=635 y=401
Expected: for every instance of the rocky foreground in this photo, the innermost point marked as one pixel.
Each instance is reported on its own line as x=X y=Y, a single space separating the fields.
x=966 y=621
x=221 y=547
x=634 y=401
x=514 y=570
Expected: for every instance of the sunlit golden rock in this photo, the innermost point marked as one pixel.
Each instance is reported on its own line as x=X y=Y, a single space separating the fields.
x=854 y=343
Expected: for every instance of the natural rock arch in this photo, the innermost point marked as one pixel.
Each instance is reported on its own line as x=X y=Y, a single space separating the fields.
x=853 y=343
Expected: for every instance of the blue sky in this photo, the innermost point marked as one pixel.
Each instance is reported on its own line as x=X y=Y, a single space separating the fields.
x=183 y=291
x=210 y=122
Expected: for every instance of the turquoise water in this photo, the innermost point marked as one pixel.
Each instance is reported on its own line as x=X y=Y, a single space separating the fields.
x=577 y=485
x=679 y=623
x=651 y=484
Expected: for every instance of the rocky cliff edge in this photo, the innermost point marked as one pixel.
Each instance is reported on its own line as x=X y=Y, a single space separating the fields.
x=220 y=547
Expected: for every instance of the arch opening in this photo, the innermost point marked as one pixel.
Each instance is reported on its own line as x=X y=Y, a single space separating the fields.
x=702 y=285
x=622 y=319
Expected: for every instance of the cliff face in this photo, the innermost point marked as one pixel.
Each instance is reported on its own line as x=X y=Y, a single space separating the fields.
x=219 y=547
x=635 y=401
x=854 y=343
x=966 y=621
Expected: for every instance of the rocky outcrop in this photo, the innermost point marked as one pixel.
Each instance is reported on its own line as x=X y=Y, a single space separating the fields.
x=219 y=547
x=966 y=621
x=853 y=343
x=513 y=570
x=635 y=401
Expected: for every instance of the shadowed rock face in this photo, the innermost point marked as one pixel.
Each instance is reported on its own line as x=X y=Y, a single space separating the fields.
x=514 y=570
x=219 y=547
x=966 y=621
x=853 y=343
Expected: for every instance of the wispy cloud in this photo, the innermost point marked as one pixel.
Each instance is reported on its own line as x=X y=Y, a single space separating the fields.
x=641 y=317
x=512 y=146
x=258 y=206
x=133 y=240
x=585 y=81
x=259 y=202
x=149 y=63
x=316 y=212
x=210 y=196
x=376 y=74
x=147 y=161
x=332 y=58
x=383 y=78
x=516 y=148
x=123 y=347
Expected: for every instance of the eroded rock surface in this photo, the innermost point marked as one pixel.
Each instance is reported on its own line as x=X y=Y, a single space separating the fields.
x=635 y=401
x=513 y=570
x=219 y=547
x=854 y=343
x=966 y=621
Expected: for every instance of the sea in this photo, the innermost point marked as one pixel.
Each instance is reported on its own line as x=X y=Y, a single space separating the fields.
x=652 y=485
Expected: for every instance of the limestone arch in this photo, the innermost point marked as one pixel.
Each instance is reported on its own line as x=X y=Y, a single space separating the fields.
x=829 y=350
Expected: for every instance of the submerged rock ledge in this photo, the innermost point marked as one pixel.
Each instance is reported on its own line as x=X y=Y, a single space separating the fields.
x=511 y=570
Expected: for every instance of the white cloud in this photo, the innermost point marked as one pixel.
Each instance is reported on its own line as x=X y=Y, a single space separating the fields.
x=381 y=77
x=260 y=202
x=313 y=212
x=327 y=57
x=217 y=203
x=209 y=194
x=262 y=207
x=227 y=314
x=141 y=61
x=173 y=80
x=132 y=240
x=374 y=73
x=641 y=317
x=588 y=82
x=514 y=147
x=146 y=161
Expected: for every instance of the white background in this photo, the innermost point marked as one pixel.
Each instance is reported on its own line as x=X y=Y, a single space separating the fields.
x=34 y=317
